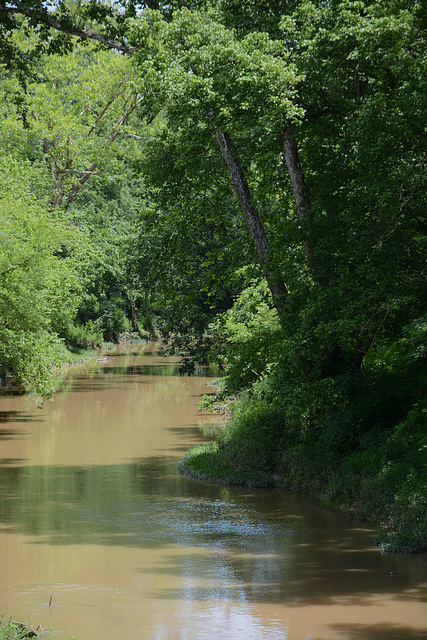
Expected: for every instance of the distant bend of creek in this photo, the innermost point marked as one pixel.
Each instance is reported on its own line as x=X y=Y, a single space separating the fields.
x=102 y=539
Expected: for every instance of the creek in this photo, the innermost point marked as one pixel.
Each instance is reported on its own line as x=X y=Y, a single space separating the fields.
x=102 y=539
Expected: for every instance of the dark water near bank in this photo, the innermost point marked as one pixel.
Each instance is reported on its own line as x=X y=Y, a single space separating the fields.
x=94 y=516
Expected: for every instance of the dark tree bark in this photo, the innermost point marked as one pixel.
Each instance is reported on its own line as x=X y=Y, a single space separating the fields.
x=132 y=310
x=256 y=228
x=296 y=176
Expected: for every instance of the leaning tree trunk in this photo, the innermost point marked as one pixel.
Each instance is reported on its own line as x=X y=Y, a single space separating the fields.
x=256 y=228
x=296 y=176
x=334 y=355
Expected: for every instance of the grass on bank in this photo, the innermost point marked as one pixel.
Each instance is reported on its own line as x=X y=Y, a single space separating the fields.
x=379 y=476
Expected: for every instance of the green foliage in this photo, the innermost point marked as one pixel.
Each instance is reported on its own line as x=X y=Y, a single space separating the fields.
x=12 y=630
x=255 y=436
x=415 y=339
x=78 y=111
x=245 y=337
x=40 y=257
x=205 y=464
x=202 y=79
x=30 y=29
x=405 y=529
x=247 y=16
x=87 y=336
x=107 y=209
x=363 y=143
x=78 y=106
x=189 y=247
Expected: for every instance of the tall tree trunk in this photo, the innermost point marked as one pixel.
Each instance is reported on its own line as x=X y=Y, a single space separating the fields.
x=296 y=176
x=132 y=310
x=256 y=228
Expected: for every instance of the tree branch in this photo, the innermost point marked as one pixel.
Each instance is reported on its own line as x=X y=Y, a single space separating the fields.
x=70 y=30
x=85 y=175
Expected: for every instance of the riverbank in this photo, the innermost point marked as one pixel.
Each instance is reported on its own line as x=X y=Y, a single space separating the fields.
x=54 y=374
x=12 y=630
x=383 y=481
x=67 y=361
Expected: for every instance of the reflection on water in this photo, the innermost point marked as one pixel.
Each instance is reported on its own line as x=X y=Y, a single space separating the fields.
x=94 y=514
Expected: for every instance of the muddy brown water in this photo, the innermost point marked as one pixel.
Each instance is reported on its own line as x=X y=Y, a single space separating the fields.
x=95 y=519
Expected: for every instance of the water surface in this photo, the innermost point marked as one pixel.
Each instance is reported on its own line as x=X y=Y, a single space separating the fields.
x=95 y=519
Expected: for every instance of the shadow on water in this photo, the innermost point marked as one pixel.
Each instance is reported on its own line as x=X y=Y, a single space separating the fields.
x=382 y=631
x=190 y=434
x=158 y=369
x=269 y=545
x=94 y=379
x=9 y=434
x=18 y=416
